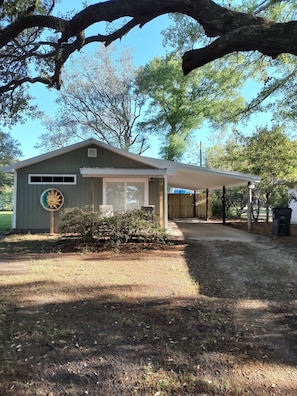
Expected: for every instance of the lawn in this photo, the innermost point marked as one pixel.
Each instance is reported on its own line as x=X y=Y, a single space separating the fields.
x=5 y=220
x=135 y=322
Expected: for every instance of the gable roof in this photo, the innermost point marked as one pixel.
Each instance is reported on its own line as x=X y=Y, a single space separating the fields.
x=178 y=174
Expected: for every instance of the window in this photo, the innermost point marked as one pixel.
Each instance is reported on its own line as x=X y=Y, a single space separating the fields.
x=52 y=179
x=125 y=194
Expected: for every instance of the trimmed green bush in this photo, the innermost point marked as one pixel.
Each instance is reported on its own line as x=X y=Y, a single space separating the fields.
x=93 y=227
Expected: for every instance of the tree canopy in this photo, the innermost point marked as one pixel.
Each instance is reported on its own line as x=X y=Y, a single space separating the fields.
x=98 y=101
x=268 y=153
x=35 y=43
x=9 y=153
x=178 y=106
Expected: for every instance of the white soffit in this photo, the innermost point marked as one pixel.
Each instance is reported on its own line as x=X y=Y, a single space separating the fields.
x=201 y=179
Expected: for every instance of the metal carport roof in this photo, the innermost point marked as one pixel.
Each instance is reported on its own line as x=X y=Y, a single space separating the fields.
x=199 y=178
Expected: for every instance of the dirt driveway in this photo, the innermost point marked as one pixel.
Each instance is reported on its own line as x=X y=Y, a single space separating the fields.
x=257 y=273
x=208 y=316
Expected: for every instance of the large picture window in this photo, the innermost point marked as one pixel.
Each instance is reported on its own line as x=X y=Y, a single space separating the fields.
x=125 y=194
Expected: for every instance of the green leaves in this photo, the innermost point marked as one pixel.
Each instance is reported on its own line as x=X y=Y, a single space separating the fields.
x=179 y=105
x=274 y=83
x=268 y=153
x=272 y=155
x=9 y=152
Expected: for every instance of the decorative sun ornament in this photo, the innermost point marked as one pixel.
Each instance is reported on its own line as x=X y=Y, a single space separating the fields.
x=52 y=199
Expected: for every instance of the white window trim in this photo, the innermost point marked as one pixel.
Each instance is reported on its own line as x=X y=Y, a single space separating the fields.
x=127 y=180
x=52 y=175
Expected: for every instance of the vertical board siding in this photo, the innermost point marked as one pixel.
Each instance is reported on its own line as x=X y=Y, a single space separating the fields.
x=182 y=206
x=29 y=213
x=154 y=192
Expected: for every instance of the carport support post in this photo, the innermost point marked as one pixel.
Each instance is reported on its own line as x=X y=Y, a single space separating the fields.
x=195 y=204
x=206 y=204
x=92 y=188
x=224 y=204
x=250 y=207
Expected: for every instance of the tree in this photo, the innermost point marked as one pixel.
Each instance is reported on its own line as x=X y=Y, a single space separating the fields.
x=268 y=153
x=9 y=153
x=16 y=57
x=229 y=156
x=272 y=156
x=179 y=105
x=9 y=150
x=274 y=84
x=98 y=101
x=33 y=40
x=235 y=202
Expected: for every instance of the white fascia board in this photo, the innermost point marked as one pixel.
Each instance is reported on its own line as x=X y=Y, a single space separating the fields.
x=122 y=172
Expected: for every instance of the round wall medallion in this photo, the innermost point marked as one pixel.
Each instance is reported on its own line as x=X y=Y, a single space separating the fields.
x=52 y=199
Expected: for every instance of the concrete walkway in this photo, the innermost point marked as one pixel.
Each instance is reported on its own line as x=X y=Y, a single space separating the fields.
x=199 y=230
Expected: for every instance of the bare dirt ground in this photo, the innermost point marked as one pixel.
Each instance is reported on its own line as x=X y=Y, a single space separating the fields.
x=193 y=318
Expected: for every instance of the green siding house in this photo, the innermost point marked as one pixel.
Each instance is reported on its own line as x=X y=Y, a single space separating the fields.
x=92 y=174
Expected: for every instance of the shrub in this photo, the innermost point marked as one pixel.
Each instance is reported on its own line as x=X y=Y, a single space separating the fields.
x=93 y=227
x=78 y=221
x=217 y=209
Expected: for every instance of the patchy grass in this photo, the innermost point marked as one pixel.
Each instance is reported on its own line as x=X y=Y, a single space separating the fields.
x=5 y=220
x=139 y=322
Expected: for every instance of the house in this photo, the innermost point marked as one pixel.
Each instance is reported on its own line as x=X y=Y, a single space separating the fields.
x=92 y=174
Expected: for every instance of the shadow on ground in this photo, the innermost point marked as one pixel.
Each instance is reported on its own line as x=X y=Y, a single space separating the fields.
x=236 y=336
x=105 y=346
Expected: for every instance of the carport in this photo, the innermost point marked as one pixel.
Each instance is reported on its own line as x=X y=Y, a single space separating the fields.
x=199 y=178
x=202 y=179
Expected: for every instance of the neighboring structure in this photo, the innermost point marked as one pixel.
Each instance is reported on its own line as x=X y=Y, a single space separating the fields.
x=90 y=174
x=293 y=204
